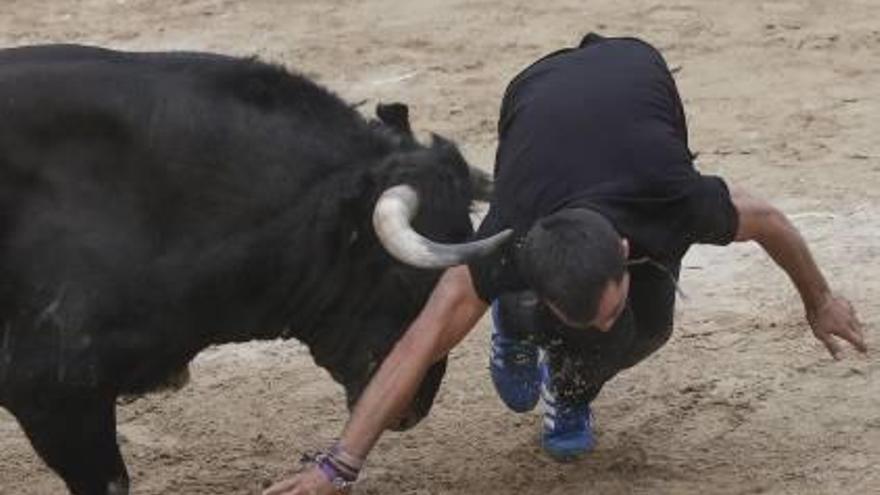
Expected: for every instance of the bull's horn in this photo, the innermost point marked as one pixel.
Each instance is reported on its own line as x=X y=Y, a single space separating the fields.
x=391 y=219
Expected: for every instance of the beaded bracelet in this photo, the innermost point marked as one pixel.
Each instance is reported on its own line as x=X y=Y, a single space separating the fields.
x=339 y=467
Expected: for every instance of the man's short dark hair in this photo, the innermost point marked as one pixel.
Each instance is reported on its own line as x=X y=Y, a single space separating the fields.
x=569 y=257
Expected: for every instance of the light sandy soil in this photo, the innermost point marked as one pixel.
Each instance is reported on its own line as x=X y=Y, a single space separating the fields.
x=782 y=97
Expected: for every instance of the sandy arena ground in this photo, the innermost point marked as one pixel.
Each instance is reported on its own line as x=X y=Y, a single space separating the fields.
x=782 y=97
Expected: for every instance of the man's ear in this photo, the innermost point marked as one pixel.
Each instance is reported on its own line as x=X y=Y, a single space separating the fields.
x=624 y=244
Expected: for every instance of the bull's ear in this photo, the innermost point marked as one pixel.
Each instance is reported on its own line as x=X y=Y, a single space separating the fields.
x=395 y=115
x=439 y=142
x=481 y=184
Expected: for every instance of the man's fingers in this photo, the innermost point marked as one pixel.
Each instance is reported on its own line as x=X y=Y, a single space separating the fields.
x=856 y=330
x=852 y=333
x=857 y=340
x=308 y=482
x=832 y=346
x=859 y=331
x=280 y=487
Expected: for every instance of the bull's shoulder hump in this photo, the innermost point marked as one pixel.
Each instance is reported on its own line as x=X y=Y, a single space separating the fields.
x=55 y=53
x=89 y=58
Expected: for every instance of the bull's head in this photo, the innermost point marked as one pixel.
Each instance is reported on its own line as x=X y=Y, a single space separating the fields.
x=423 y=197
x=398 y=205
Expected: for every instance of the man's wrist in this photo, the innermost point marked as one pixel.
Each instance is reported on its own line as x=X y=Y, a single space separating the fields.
x=347 y=458
x=814 y=304
x=339 y=477
x=339 y=467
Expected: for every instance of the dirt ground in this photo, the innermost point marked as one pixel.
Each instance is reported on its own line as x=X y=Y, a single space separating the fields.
x=782 y=97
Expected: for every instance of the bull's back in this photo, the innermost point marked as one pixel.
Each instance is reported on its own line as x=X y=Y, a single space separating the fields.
x=175 y=141
x=178 y=103
x=121 y=170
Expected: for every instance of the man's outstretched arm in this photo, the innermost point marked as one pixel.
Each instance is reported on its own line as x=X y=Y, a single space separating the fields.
x=830 y=316
x=450 y=313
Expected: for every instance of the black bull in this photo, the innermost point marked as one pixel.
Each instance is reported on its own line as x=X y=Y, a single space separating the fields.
x=154 y=204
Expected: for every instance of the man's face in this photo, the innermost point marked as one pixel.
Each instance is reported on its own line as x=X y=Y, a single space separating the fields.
x=612 y=302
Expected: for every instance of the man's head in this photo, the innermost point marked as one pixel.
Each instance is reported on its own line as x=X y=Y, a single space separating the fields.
x=575 y=260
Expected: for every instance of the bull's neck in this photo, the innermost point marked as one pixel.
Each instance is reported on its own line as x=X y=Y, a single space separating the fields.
x=284 y=278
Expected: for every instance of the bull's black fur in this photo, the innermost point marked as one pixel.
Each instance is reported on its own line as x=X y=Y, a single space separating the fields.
x=155 y=204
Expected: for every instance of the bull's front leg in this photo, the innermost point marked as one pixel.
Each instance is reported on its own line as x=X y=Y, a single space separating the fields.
x=75 y=434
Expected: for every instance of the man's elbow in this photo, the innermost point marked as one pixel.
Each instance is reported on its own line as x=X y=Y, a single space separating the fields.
x=759 y=220
x=771 y=225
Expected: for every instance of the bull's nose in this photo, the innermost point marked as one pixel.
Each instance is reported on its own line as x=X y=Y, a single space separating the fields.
x=409 y=419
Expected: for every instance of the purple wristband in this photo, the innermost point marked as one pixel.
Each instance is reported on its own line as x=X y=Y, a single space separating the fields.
x=345 y=460
x=340 y=478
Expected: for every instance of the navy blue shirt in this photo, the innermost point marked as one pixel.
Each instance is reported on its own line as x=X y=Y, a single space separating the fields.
x=600 y=126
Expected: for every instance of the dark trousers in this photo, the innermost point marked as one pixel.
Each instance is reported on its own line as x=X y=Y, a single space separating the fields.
x=582 y=361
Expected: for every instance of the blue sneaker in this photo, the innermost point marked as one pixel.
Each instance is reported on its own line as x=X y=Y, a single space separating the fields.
x=514 y=368
x=568 y=429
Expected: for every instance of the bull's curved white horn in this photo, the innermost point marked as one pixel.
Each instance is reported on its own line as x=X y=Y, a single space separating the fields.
x=391 y=218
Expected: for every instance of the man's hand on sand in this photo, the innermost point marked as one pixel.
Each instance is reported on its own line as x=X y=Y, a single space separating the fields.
x=311 y=481
x=833 y=320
